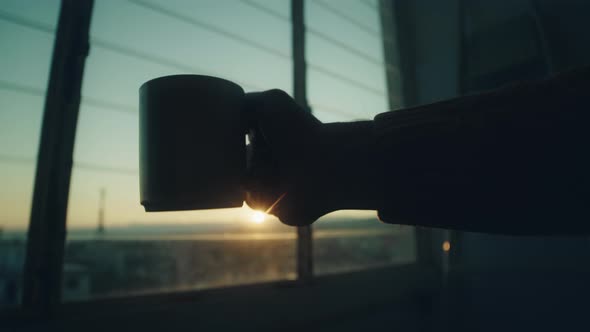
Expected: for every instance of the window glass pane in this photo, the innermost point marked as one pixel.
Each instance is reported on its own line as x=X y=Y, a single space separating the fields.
x=26 y=41
x=347 y=81
x=115 y=248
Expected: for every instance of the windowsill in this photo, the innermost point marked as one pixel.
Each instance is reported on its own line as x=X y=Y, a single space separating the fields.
x=262 y=305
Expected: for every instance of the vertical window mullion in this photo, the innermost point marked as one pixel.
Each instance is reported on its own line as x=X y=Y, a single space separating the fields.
x=47 y=228
x=304 y=233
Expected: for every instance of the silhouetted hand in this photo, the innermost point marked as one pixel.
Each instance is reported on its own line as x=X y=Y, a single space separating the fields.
x=299 y=168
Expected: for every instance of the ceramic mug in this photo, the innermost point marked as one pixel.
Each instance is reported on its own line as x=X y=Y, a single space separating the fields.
x=192 y=143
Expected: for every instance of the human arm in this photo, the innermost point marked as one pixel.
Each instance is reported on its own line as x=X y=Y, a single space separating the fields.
x=509 y=161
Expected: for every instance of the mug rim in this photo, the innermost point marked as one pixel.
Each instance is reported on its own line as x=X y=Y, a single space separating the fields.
x=175 y=76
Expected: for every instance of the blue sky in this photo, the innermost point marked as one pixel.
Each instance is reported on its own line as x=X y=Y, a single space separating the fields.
x=106 y=149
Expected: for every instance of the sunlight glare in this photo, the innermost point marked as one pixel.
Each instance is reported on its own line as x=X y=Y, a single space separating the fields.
x=258 y=217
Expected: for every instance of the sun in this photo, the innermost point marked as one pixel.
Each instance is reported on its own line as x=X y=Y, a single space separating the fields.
x=258 y=217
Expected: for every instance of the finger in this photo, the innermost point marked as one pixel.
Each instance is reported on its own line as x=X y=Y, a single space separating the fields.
x=277 y=117
x=294 y=219
x=293 y=212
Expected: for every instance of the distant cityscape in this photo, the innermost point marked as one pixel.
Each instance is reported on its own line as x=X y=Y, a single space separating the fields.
x=140 y=258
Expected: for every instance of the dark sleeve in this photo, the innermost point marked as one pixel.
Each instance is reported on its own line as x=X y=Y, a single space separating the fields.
x=512 y=161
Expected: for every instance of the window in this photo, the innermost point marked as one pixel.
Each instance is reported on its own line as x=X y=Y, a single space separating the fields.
x=26 y=40
x=113 y=247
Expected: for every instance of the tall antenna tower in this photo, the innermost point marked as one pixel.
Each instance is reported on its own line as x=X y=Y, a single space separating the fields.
x=103 y=194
